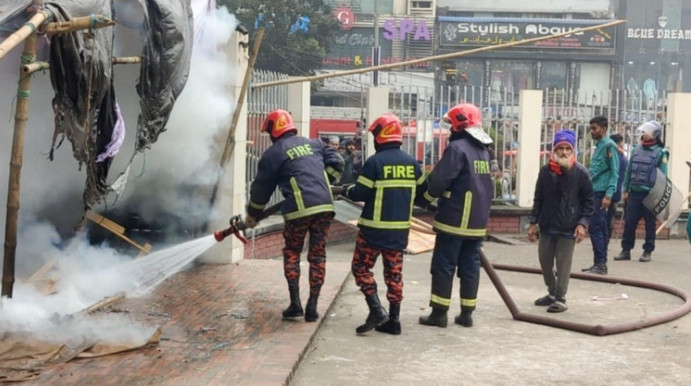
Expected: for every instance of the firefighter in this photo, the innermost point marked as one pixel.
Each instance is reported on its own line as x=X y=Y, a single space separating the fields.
x=302 y=168
x=387 y=185
x=462 y=184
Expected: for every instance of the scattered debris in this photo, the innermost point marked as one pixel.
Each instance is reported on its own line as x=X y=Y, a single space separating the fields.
x=234 y=314
x=605 y=298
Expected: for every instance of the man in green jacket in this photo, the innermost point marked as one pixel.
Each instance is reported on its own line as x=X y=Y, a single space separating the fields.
x=604 y=173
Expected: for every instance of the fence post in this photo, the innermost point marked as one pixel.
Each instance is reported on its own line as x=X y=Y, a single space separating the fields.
x=528 y=157
x=377 y=104
x=231 y=190
x=678 y=139
x=299 y=106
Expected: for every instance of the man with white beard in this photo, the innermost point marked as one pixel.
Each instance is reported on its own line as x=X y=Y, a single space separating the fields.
x=562 y=207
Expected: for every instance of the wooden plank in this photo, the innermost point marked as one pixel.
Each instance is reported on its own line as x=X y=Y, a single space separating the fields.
x=104 y=222
x=116 y=228
x=103 y=303
x=38 y=275
x=419 y=242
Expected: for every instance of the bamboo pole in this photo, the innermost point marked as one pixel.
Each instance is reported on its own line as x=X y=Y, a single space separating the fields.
x=23 y=33
x=78 y=24
x=20 y=118
x=230 y=141
x=434 y=58
x=40 y=66
x=30 y=68
x=127 y=60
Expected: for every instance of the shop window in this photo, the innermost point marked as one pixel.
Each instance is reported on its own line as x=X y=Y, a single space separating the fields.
x=553 y=76
x=421 y=4
x=510 y=77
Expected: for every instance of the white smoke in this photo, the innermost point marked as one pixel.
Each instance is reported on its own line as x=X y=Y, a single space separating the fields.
x=183 y=164
x=51 y=192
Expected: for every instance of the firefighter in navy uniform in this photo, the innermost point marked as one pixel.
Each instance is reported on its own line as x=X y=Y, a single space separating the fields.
x=302 y=168
x=387 y=185
x=462 y=184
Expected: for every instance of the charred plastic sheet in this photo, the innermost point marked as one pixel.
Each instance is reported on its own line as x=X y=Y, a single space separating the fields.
x=165 y=65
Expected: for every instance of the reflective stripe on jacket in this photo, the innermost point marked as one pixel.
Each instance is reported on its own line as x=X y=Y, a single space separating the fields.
x=462 y=184
x=387 y=185
x=300 y=167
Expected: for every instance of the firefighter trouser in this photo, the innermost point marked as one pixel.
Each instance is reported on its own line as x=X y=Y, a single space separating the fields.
x=454 y=254
x=294 y=233
x=364 y=258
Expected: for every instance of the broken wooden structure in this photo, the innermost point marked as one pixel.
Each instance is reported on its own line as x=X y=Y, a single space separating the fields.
x=40 y=22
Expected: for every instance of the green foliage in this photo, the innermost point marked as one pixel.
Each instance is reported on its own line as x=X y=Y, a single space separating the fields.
x=299 y=53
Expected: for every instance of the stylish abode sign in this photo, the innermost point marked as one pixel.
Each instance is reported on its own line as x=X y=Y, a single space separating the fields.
x=456 y=31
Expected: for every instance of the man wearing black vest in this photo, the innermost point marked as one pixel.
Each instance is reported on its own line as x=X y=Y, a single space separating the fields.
x=638 y=181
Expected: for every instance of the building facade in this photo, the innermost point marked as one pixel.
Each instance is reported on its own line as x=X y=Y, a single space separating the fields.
x=588 y=60
x=658 y=48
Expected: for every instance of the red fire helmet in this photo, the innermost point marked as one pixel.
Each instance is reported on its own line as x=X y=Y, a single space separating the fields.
x=386 y=129
x=463 y=116
x=466 y=117
x=278 y=123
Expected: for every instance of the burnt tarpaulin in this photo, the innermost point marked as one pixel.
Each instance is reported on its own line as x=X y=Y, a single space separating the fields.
x=165 y=65
x=81 y=72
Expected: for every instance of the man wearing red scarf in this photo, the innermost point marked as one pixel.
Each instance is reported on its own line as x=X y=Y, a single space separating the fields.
x=562 y=207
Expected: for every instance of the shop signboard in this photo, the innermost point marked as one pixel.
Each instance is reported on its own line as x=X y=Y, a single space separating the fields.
x=353 y=49
x=462 y=32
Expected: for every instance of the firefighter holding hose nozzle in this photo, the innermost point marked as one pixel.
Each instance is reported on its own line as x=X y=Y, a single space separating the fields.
x=302 y=169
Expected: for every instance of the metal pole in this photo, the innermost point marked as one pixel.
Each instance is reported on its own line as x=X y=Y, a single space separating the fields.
x=376 y=50
x=13 y=186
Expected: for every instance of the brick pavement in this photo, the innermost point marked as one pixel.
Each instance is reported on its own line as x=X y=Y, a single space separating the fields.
x=221 y=326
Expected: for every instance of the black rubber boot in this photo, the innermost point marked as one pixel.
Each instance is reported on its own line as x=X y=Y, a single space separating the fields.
x=393 y=326
x=311 y=314
x=623 y=255
x=465 y=318
x=294 y=310
x=376 y=317
x=436 y=318
x=645 y=257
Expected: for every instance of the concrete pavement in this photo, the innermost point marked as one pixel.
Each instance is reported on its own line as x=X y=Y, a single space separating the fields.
x=499 y=350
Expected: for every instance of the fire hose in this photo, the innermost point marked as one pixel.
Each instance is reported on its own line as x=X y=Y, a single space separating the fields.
x=237 y=225
x=599 y=329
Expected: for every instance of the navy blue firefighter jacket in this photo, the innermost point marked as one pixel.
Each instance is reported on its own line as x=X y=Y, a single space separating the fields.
x=462 y=184
x=387 y=185
x=301 y=168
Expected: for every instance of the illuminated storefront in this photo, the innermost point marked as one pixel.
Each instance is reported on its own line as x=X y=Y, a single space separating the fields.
x=574 y=62
x=657 y=49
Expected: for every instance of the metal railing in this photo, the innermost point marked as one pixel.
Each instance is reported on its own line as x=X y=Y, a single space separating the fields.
x=259 y=103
